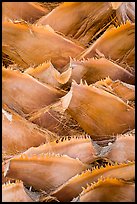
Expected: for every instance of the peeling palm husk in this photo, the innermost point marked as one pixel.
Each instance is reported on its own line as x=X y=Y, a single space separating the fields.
x=122 y=150
x=5 y=179
x=28 y=11
x=118 y=88
x=45 y=171
x=81 y=20
x=93 y=70
x=109 y=190
x=20 y=40
x=80 y=147
x=18 y=134
x=73 y=187
x=115 y=44
x=28 y=94
x=14 y=192
x=93 y=108
x=46 y=73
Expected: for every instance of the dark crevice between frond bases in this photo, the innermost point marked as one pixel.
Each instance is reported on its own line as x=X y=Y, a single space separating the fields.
x=101 y=163
x=50 y=5
x=6 y=60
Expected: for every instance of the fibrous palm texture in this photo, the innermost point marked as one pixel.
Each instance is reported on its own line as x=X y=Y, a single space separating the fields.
x=68 y=94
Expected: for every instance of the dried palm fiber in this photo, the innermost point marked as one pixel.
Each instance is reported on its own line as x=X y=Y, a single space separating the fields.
x=14 y=192
x=18 y=134
x=126 y=11
x=73 y=187
x=26 y=94
x=122 y=150
x=115 y=43
x=28 y=11
x=93 y=108
x=109 y=190
x=81 y=147
x=81 y=20
x=129 y=60
x=54 y=118
x=46 y=73
x=45 y=198
x=93 y=70
x=45 y=171
x=30 y=45
x=119 y=88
